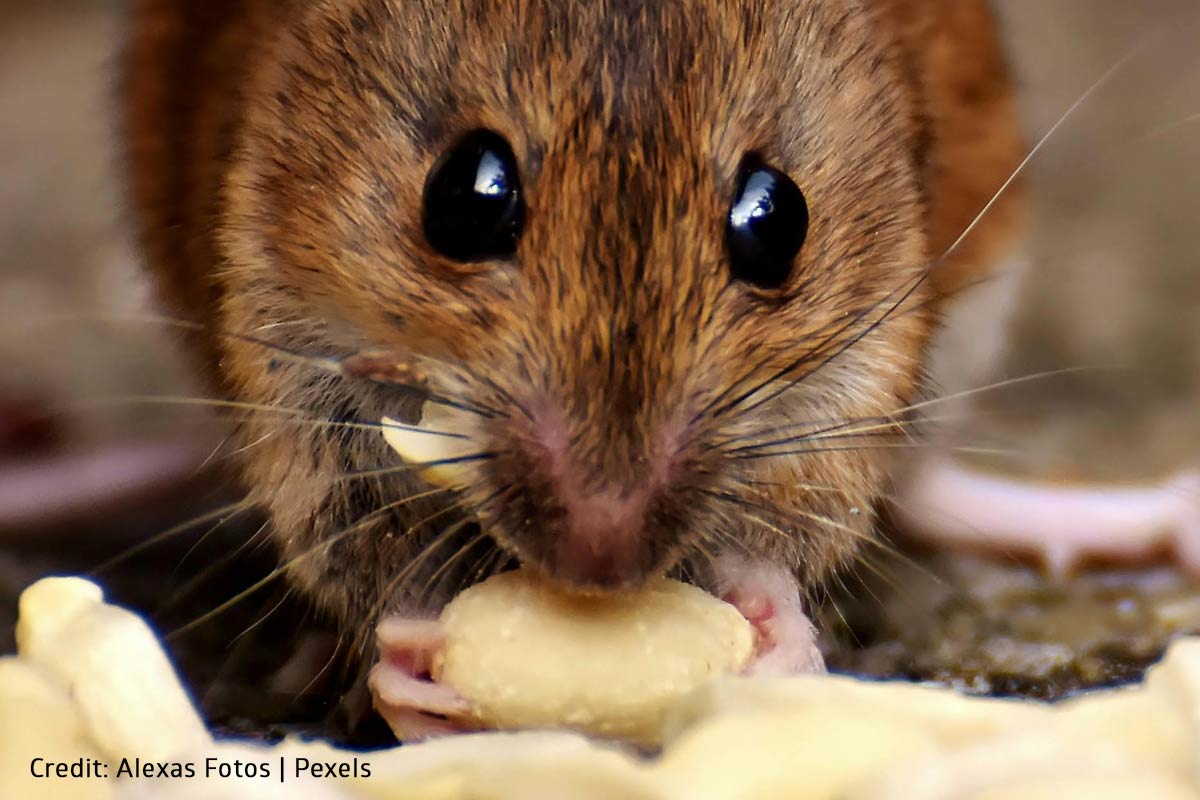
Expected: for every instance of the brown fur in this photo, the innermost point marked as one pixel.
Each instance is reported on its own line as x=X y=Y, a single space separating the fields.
x=279 y=150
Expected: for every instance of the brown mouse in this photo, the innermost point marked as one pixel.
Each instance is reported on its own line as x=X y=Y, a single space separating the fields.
x=679 y=262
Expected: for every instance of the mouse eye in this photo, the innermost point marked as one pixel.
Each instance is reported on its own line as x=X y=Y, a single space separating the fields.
x=473 y=206
x=768 y=223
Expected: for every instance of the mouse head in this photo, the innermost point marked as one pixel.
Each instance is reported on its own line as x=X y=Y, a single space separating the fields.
x=670 y=255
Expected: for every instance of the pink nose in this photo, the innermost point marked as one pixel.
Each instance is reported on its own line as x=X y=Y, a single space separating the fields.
x=602 y=543
x=594 y=514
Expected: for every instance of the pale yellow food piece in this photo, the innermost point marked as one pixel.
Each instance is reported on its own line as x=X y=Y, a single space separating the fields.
x=527 y=655
x=93 y=681
x=1175 y=684
x=1073 y=786
x=951 y=718
x=39 y=720
x=113 y=667
x=1147 y=725
x=1020 y=764
x=48 y=606
x=442 y=435
x=533 y=765
x=814 y=754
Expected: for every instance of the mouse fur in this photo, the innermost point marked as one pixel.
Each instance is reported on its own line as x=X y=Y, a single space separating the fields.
x=277 y=152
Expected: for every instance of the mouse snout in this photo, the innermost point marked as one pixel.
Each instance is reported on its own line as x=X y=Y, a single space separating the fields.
x=597 y=510
x=601 y=541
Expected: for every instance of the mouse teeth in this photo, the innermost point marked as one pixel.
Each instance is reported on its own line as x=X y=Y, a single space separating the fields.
x=438 y=447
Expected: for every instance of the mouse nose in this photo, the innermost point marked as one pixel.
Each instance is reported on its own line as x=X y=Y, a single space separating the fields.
x=587 y=511
x=602 y=543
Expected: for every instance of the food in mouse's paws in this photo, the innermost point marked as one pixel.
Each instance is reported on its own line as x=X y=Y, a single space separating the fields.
x=525 y=654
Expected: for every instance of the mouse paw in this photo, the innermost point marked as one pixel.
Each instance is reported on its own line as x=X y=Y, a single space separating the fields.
x=414 y=706
x=951 y=505
x=768 y=596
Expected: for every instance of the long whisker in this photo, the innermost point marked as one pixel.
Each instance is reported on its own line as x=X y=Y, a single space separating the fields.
x=1108 y=75
x=783 y=372
x=899 y=430
x=1169 y=127
x=200 y=578
x=871 y=328
x=299 y=414
x=276 y=573
x=223 y=514
x=328 y=364
x=886 y=420
x=970 y=228
x=988 y=451
x=432 y=583
x=770 y=508
x=421 y=466
x=323 y=363
x=386 y=594
x=263 y=618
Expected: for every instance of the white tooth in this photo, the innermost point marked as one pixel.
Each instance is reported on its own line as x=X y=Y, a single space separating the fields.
x=440 y=436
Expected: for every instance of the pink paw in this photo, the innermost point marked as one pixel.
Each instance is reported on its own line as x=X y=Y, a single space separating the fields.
x=769 y=598
x=948 y=504
x=404 y=694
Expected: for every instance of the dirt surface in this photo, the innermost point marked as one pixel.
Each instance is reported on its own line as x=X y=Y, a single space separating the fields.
x=996 y=629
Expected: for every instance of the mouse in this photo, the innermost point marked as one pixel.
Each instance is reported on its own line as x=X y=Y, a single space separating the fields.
x=676 y=266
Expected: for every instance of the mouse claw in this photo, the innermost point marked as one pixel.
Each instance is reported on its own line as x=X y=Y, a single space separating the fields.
x=768 y=597
x=414 y=706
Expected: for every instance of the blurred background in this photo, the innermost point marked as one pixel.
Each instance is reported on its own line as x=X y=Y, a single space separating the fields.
x=88 y=470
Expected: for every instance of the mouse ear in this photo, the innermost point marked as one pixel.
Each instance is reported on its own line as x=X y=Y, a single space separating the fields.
x=971 y=142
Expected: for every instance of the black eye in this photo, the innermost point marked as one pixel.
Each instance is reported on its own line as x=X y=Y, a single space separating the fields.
x=768 y=223
x=474 y=210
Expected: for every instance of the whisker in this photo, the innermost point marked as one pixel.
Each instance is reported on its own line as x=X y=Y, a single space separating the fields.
x=1169 y=127
x=248 y=447
x=888 y=420
x=871 y=433
x=782 y=373
x=323 y=363
x=1108 y=75
x=989 y=451
x=432 y=583
x=195 y=546
x=832 y=603
x=263 y=618
x=200 y=578
x=366 y=521
x=229 y=512
x=329 y=662
x=420 y=466
x=300 y=415
x=328 y=364
x=775 y=511
x=970 y=228
x=843 y=348
x=892 y=430
x=212 y=456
